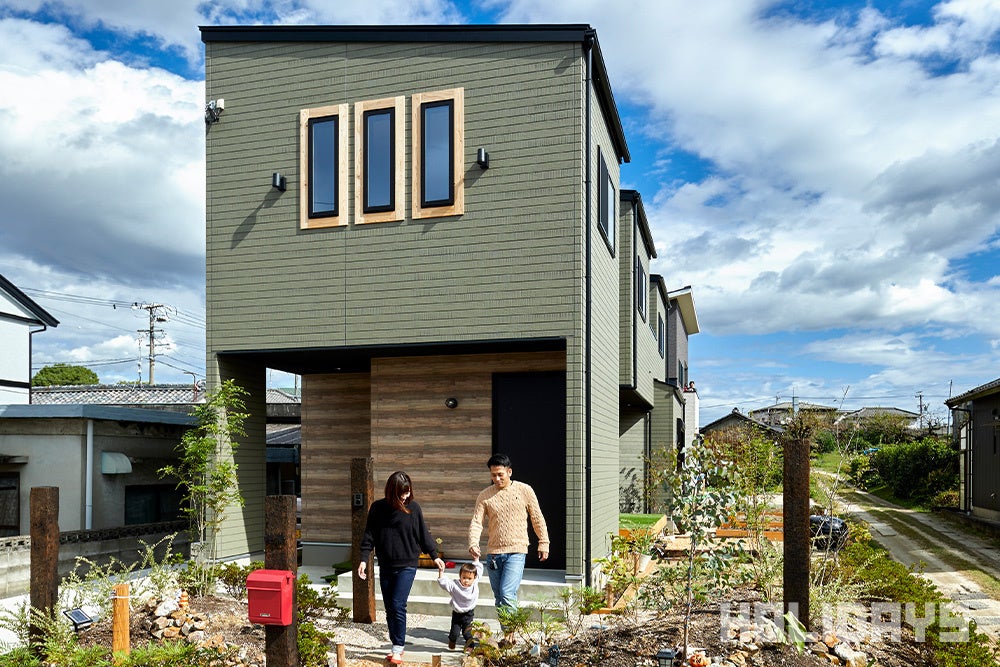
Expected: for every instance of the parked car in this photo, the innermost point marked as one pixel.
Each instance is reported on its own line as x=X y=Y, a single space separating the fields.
x=828 y=532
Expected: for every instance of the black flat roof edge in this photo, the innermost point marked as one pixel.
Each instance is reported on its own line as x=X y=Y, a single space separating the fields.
x=509 y=32
x=537 y=32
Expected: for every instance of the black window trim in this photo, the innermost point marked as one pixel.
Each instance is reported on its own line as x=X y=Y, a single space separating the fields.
x=450 y=201
x=336 y=166
x=605 y=194
x=391 y=206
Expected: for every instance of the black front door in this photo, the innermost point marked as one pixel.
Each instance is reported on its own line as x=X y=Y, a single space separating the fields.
x=529 y=426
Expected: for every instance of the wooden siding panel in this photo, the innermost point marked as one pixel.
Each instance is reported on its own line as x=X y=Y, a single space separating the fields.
x=397 y=416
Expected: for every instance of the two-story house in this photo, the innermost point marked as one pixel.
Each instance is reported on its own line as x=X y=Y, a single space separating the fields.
x=426 y=224
x=20 y=317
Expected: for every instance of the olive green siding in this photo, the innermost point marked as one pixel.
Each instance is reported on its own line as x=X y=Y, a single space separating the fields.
x=505 y=269
x=242 y=530
x=677 y=342
x=604 y=357
x=663 y=430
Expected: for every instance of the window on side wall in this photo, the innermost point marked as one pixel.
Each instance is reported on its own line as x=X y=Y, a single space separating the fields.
x=378 y=167
x=438 y=120
x=641 y=288
x=661 y=335
x=323 y=166
x=606 y=203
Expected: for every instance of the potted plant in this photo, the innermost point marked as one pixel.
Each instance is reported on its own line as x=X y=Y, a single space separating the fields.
x=427 y=561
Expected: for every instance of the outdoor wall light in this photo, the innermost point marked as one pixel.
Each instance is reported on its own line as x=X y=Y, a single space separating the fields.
x=278 y=181
x=213 y=109
x=451 y=402
x=483 y=158
x=665 y=657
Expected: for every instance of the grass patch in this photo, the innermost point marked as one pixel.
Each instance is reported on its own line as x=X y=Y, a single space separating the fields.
x=830 y=462
x=633 y=521
x=885 y=493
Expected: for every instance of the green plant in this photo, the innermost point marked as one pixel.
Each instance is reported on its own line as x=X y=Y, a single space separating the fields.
x=198 y=578
x=315 y=604
x=946 y=499
x=919 y=469
x=313 y=645
x=206 y=471
x=577 y=602
x=701 y=495
x=233 y=578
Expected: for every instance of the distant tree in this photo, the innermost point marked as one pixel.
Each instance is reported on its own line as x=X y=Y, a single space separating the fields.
x=63 y=374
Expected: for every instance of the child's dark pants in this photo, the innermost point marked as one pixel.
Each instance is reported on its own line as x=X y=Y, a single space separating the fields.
x=461 y=624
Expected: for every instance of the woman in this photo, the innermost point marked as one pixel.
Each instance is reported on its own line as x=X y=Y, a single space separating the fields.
x=395 y=529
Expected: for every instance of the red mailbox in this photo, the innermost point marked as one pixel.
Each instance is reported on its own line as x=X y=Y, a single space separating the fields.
x=269 y=596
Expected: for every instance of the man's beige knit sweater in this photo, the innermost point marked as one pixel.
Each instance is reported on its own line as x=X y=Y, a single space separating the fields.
x=507 y=512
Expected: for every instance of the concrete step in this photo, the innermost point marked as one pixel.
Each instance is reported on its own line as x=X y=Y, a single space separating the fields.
x=427 y=597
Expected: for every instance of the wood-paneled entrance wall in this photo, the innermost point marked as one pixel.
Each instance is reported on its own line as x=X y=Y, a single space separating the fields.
x=397 y=414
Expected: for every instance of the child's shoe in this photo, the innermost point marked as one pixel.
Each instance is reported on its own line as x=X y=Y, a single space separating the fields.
x=451 y=644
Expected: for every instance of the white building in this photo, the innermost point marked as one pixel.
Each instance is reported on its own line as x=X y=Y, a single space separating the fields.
x=20 y=317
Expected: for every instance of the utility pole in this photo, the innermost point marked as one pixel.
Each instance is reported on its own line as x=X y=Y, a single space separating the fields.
x=920 y=395
x=157 y=314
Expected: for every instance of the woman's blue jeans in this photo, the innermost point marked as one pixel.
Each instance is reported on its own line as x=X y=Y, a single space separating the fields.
x=505 y=572
x=396 y=584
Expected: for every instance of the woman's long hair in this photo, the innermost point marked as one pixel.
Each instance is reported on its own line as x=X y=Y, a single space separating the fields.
x=398 y=484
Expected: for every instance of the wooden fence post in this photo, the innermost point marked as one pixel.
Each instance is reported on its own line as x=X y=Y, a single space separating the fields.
x=120 y=641
x=44 y=510
x=795 y=504
x=281 y=645
x=362 y=489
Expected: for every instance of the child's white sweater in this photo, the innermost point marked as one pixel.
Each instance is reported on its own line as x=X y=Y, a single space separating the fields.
x=463 y=599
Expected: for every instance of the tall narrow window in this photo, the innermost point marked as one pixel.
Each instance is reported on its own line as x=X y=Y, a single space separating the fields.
x=438 y=153
x=606 y=203
x=323 y=166
x=661 y=335
x=378 y=147
x=641 y=284
x=437 y=122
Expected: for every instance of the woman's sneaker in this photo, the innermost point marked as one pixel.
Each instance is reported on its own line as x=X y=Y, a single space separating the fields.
x=394 y=658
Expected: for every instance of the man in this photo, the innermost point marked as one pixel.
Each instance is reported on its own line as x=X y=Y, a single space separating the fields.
x=507 y=505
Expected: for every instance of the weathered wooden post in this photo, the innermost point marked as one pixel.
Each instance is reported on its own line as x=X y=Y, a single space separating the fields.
x=281 y=646
x=120 y=641
x=362 y=490
x=795 y=502
x=44 y=509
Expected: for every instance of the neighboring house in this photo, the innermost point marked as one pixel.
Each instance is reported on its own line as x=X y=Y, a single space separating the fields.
x=736 y=420
x=20 y=318
x=976 y=432
x=283 y=416
x=912 y=419
x=782 y=413
x=104 y=460
x=451 y=197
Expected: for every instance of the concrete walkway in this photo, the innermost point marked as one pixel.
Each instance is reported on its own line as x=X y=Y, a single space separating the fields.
x=921 y=528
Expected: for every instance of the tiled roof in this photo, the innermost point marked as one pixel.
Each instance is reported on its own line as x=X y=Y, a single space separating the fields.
x=980 y=391
x=137 y=395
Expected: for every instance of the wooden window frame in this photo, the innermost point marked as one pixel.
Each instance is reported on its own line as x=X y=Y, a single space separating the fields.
x=397 y=104
x=340 y=111
x=457 y=98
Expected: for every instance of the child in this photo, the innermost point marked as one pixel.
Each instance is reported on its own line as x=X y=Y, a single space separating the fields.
x=464 y=595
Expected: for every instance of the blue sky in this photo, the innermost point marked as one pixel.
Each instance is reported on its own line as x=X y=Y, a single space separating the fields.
x=824 y=175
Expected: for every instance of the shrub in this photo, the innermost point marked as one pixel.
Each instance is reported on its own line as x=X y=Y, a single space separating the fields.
x=917 y=470
x=233 y=578
x=314 y=604
x=313 y=645
x=946 y=499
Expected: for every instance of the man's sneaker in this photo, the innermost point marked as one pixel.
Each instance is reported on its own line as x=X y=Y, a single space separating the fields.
x=451 y=644
x=395 y=658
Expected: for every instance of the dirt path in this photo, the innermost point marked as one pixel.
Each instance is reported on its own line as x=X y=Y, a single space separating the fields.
x=964 y=567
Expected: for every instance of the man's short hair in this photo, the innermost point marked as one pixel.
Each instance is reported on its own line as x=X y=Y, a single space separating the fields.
x=498 y=460
x=470 y=568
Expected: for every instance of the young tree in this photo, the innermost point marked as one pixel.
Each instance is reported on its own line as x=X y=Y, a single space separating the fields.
x=205 y=470
x=64 y=374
